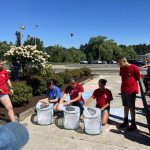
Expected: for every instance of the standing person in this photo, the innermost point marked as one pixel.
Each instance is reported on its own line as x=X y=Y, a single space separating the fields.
x=4 y=98
x=130 y=74
x=103 y=97
x=147 y=77
x=75 y=91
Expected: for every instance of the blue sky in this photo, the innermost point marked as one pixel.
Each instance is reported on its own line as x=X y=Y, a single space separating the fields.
x=125 y=21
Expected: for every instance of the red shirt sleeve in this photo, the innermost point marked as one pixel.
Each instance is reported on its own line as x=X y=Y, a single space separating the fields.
x=6 y=76
x=109 y=96
x=80 y=88
x=137 y=74
x=94 y=94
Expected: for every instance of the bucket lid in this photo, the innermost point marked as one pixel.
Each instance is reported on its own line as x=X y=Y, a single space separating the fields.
x=41 y=106
x=72 y=109
x=91 y=112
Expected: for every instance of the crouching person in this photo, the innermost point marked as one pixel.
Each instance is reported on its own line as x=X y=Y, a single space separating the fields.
x=103 y=97
x=75 y=91
x=53 y=93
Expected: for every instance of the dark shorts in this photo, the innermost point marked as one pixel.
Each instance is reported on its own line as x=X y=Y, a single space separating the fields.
x=128 y=100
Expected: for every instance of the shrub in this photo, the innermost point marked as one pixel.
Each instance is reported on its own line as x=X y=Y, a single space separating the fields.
x=58 y=78
x=86 y=71
x=66 y=75
x=76 y=73
x=22 y=94
x=38 y=83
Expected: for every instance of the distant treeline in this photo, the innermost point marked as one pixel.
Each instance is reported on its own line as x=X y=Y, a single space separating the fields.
x=97 y=48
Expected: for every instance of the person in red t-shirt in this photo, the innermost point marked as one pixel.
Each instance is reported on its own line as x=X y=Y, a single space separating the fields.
x=75 y=91
x=103 y=97
x=4 y=98
x=130 y=74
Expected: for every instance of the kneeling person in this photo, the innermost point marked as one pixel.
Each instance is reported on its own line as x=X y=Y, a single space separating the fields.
x=53 y=93
x=75 y=91
x=103 y=97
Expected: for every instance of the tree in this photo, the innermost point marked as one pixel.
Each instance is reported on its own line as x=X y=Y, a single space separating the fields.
x=34 y=41
x=18 y=42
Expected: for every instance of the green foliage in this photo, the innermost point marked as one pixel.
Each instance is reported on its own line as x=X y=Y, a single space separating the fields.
x=34 y=41
x=58 y=78
x=86 y=71
x=66 y=75
x=61 y=54
x=18 y=42
x=38 y=83
x=77 y=73
x=22 y=94
x=99 y=48
x=4 y=47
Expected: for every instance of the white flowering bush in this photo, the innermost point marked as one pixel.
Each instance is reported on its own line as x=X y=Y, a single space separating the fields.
x=27 y=56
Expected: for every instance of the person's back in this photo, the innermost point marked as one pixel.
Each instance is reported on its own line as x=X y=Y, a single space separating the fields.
x=129 y=74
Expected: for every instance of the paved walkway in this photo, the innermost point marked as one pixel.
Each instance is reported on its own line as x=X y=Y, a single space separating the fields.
x=54 y=137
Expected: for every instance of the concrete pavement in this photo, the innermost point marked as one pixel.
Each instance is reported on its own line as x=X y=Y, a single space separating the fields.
x=54 y=137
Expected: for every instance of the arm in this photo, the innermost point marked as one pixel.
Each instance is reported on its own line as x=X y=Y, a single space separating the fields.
x=77 y=98
x=137 y=73
x=88 y=101
x=58 y=95
x=63 y=98
x=54 y=100
x=145 y=66
x=10 y=86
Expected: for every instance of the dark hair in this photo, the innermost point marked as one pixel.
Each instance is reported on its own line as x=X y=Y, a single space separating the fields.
x=121 y=58
x=103 y=81
x=52 y=81
x=71 y=80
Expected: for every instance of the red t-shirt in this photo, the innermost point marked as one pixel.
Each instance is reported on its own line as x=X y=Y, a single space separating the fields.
x=130 y=75
x=3 y=81
x=73 y=92
x=102 y=97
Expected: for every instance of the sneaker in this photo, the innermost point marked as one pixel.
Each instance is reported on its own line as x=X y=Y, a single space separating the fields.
x=131 y=128
x=123 y=125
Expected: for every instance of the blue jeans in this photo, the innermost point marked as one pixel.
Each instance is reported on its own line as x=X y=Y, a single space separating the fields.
x=80 y=105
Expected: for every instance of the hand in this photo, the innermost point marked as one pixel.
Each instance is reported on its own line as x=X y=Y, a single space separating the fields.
x=11 y=92
x=84 y=105
x=44 y=101
x=102 y=109
x=67 y=103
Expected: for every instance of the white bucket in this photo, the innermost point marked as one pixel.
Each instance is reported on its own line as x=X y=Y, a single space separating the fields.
x=71 y=117
x=44 y=115
x=92 y=120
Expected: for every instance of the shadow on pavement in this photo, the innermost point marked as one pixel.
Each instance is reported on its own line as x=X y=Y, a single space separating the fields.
x=33 y=119
x=120 y=118
x=136 y=136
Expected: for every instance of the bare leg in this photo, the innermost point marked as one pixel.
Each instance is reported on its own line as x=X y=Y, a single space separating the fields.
x=105 y=116
x=8 y=105
x=126 y=111
x=132 y=111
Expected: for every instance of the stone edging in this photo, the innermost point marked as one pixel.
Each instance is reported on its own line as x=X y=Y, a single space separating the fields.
x=146 y=103
x=31 y=110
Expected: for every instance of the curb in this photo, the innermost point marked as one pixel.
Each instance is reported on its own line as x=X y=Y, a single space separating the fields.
x=31 y=110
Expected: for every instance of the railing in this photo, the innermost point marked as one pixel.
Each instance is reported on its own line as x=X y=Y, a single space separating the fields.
x=145 y=101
